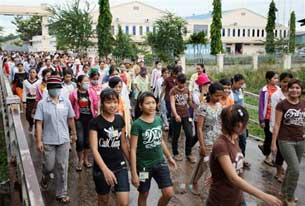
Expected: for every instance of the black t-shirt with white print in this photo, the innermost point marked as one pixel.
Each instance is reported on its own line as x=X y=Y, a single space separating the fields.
x=109 y=141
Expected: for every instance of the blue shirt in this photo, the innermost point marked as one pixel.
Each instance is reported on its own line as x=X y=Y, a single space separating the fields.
x=238 y=96
x=55 y=120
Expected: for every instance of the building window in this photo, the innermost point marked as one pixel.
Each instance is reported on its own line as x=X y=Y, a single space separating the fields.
x=126 y=29
x=280 y=33
x=134 y=30
x=199 y=27
x=275 y=33
x=229 y=32
x=141 y=30
x=238 y=32
x=244 y=32
x=112 y=30
x=253 y=33
x=248 y=33
x=223 y=32
x=263 y=33
x=233 y=32
x=285 y=34
x=257 y=33
x=147 y=29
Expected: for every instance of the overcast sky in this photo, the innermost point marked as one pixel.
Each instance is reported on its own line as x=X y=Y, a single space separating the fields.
x=185 y=8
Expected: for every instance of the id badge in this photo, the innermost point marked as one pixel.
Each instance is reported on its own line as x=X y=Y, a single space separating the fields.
x=60 y=106
x=143 y=176
x=190 y=119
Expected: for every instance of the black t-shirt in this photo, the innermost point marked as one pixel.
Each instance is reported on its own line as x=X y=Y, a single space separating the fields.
x=19 y=78
x=109 y=141
x=84 y=103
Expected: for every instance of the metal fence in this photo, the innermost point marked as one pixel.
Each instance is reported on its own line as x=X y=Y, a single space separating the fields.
x=18 y=153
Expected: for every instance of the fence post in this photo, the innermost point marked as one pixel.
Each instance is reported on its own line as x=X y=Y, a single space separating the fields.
x=220 y=62
x=183 y=63
x=287 y=61
x=255 y=62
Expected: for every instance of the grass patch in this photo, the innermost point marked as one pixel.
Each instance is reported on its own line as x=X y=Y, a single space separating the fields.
x=3 y=157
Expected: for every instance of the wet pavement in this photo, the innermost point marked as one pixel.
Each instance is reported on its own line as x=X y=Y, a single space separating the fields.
x=82 y=192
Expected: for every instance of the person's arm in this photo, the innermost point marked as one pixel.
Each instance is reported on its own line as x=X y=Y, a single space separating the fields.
x=200 y=122
x=228 y=168
x=71 y=124
x=173 y=107
x=276 y=128
x=261 y=107
x=39 y=143
x=168 y=154
x=133 y=161
x=108 y=174
x=124 y=145
x=24 y=93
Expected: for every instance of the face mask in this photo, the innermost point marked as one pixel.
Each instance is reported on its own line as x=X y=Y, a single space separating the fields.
x=54 y=92
x=94 y=82
x=85 y=86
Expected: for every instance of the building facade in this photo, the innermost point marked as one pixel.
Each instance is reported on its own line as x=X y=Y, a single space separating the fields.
x=243 y=31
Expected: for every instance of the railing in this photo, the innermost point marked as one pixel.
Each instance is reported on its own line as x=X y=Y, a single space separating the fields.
x=21 y=168
x=249 y=106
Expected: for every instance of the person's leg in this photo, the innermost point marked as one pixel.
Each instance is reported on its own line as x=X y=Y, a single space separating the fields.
x=142 y=199
x=242 y=143
x=122 y=187
x=176 y=126
x=188 y=131
x=62 y=164
x=122 y=198
x=167 y=194
x=170 y=118
x=102 y=200
x=197 y=173
x=85 y=125
x=80 y=144
x=195 y=138
x=163 y=112
x=48 y=163
x=267 y=141
x=279 y=164
x=289 y=152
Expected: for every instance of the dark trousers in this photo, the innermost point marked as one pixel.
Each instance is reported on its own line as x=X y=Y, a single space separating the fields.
x=243 y=142
x=268 y=138
x=187 y=127
x=169 y=117
x=195 y=138
x=279 y=160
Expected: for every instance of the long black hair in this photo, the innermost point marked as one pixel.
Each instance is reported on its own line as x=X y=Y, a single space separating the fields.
x=140 y=100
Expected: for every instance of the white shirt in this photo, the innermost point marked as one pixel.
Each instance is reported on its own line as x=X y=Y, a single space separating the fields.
x=67 y=89
x=44 y=68
x=158 y=87
x=29 y=88
x=276 y=97
x=155 y=75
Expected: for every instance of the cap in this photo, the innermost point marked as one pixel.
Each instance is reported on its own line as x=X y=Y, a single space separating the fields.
x=53 y=82
x=202 y=79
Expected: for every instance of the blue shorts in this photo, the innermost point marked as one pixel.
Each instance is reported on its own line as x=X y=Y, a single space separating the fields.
x=161 y=175
x=101 y=186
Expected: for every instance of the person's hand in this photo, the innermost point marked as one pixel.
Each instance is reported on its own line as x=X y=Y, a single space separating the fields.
x=109 y=177
x=135 y=180
x=39 y=146
x=172 y=162
x=273 y=148
x=262 y=125
x=272 y=200
x=203 y=152
x=178 y=118
x=73 y=138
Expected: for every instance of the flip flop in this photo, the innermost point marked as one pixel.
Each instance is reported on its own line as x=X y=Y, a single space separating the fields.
x=63 y=199
x=79 y=168
x=88 y=165
x=269 y=163
x=190 y=187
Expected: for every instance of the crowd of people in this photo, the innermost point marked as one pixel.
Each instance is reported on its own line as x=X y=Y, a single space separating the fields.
x=124 y=118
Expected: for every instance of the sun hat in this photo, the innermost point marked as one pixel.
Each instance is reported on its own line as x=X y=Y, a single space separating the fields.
x=202 y=79
x=54 y=82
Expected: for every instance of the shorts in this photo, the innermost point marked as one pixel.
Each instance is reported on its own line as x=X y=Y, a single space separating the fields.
x=101 y=186
x=161 y=175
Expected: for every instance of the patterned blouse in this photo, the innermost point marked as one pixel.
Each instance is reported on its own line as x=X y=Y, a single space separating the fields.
x=212 y=124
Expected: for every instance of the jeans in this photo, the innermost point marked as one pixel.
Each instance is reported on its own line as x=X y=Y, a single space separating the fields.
x=292 y=152
x=268 y=138
x=187 y=127
x=57 y=155
x=163 y=112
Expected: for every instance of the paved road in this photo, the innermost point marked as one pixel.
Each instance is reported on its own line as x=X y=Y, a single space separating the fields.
x=81 y=186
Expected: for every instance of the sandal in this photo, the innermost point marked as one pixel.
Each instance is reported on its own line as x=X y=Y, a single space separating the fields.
x=247 y=165
x=88 y=165
x=269 y=163
x=63 y=199
x=79 y=168
x=190 y=187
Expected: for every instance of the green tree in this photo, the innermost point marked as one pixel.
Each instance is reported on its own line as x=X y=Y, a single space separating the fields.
x=28 y=27
x=103 y=29
x=123 y=46
x=72 y=26
x=197 y=40
x=166 y=40
x=292 y=33
x=216 y=43
x=269 y=46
